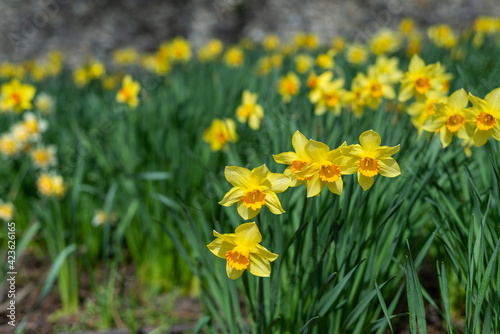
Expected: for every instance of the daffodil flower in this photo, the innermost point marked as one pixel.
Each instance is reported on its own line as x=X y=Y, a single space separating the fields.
x=289 y=86
x=242 y=250
x=419 y=79
x=487 y=117
x=370 y=159
x=128 y=92
x=296 y=160
x=250 y=111
x=253 y=189
x=451 y=119
x=17 y=96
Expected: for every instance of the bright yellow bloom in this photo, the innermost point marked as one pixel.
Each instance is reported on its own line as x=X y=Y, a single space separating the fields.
x=325 y=60
x=419 y=80
x=311 y=41
x=444 y=78
x=451 y=118
x=128 y=92
x=158 y=63
x=234 y=56
x=486 y=24
x=356 y=54
x=271 y=42
x=253 y=189
x=296 y=160
x=51 y=185
x=80 y=77
x=388 y=67
x=250 y=111
x=95 y=69
x=17 y=96
x=370 y=159
x=58 y=186
x=385 y=41
x=303 y=63
x=422 y=109
x=44 y=157
x=407 y=26
x=45 y=103
x=220 y=133
x=325 y=168
x=6 y=211
x=125 y=56
x=374 y=88
x=242 y=250
x=211 y=50
x=486 y=114
x=179 y=50
x=289 y=86
x=312 y=80
x=338 y=44
x=442 y=35
x=328 y=95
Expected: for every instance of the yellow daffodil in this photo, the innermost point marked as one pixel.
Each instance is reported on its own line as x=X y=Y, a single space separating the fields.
x=289 y=86
x=356 y=54
x=407 y=26
x=414 y=45
x=271 y=42
x=242 y=250
x=311 y=41
x=385 y=41
x=51 y=185
x=157 y=63
x=325 y=60
x=451 y=118
x=264 y=65
x=388 y=67
x=44 y=157
x=253 y=189
x=17 y=96
x=128 y=92
x=250 y=111
x=419 y=80
x=328 y=95
x=80 y=77
x=277 y=60
x=375 y=87
x=303 y=63
x=296 y=160
x=486 y=114
x=211 y=50
x=234 y=56
x=370 y=159
x=442 y=35
x=180 y=50
x=312 y=80
x=34 y=125
x=422 y=109
x=125 y=56
x=6 y=211
x=220 y=133
x=338 y=44
x=324 y=169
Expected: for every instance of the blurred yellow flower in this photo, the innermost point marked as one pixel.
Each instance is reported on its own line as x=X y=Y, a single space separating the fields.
x=51 y=185
x=210 y=51
x=370 y=159
x=9 y=146
x=289 y=86
x=179 y=50
x=407 y=26
x=253 y=189
x=422 y=109
x=311 y=41
x=17 y=96
x=414 y=44
x=325 y=60
x=45 y=103
x=220 y=133
x=129 y=92
x=303 y=63
x=296 y=160
x=100 y=218
x=242 y=250
x=250 y=111
x=125 y=56
x=234 y=56
x=271 y=42
x=419 y=80
x=356 y=54
x=6 y=211
x=451 y=118
x=388 y=69
x=338 y=44
x=385 y=41
x=442 y=35
x=486 y=114
x=44 y=157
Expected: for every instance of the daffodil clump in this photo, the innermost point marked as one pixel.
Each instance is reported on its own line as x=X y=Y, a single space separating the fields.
x=129 y=92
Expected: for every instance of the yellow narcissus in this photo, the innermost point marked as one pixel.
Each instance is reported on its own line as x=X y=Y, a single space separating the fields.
x=242 y=250
x=220 y=133
x=289 y=86
x=128 y=92
x=17 y=96
x=421 y=110
x=296 y=160
x=419 y=80
x=253 y=189
x=250 y=111
x=451 y=118
x=486 y=114
x=370 y=159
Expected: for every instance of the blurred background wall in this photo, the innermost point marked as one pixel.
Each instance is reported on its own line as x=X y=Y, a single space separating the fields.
x=78 y=27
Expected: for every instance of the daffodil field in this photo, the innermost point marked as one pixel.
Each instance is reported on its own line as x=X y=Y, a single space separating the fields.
x=293 y=186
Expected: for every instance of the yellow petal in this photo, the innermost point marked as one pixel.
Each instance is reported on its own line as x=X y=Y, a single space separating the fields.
x=273 y=203
x=350 y=166
x=220 y=246
x=479 y=105
x=254 y=122
x=389 y=167
x=299 y=142
x=405 y=92
x=481 y=137
x=232 y=196
x=364 y=181
x=314 y=186
x=248 y=234
x=263 y=253
x=433 y=123
x=246 y=213
x=259 y=174
x=259 y=266
x=335 y=187
x=279 y=182
x=459 y=99
x=493 y=98
x=285 y=158
x=316 y=150
x=445 y=136
x=386 y=151
x=416 y=63
x=495 y=132
x=352 y=150
x=238 y=176
x=369 y=140
x=233 y=273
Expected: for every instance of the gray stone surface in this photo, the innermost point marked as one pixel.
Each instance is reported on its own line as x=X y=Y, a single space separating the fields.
x=29 y=28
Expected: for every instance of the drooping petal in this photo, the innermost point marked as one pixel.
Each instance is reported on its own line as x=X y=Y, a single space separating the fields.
x=220 y=246
x=238 y=176
x=246 y=213
x=232 y=196
x=259 y=266
x=314 y=186
x=389 y=167
x=254 y=122
x=248 y=234
x=263 y=253
x=364 y=181
x=233 y=273
x=285 y=158
x=445 y=136
x=369 y=140
x=481 y=137
x=273 y=203
x=335 y=187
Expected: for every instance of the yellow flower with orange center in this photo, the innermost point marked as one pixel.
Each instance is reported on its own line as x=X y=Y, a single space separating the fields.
x=16 y=96
x=296 y=160
x=254 y=189
x=422 y=109
x=129 y=92
x=125 y=56
x=242 y=251
x=420 y=79
x=370 y=159
x=442 y=35
x=234 y=57
x=486 y=115
x=250 y=111
x=451 y=118
x=220 y=133
x=179 y=50
x=289 y=86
